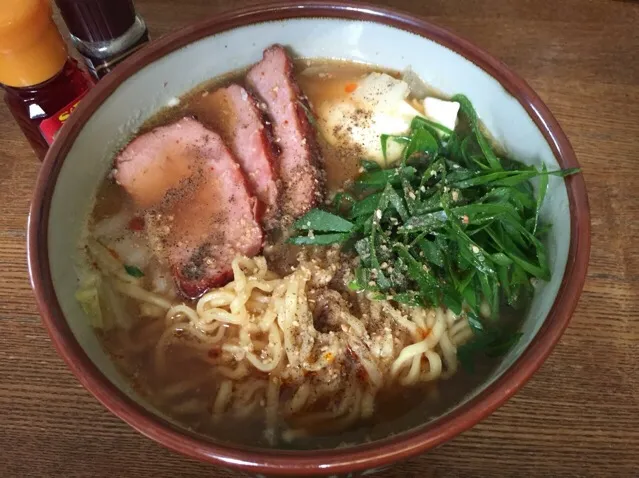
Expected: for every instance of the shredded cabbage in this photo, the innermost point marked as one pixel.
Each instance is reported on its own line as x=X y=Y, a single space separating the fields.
x=88 y=296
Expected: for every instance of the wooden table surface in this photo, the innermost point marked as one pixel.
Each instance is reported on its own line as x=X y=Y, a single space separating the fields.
x=578 y=416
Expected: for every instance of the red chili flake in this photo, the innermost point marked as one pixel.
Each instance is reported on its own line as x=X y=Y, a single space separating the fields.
x=361 y=374
x=137 y=223
x=214 y=352
x=113 y=253
x=350 y=87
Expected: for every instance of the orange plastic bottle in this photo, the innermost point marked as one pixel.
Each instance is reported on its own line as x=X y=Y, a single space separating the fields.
x=42 y=84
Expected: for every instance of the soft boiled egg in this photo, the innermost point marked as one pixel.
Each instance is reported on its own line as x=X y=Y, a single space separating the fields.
x=376 y=105
x=441 y=111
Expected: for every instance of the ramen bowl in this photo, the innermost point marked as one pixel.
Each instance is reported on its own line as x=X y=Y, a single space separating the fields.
x=82 y=155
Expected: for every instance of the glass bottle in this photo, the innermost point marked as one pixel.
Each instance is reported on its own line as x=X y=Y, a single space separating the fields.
x=42 y=84
x=105 y=32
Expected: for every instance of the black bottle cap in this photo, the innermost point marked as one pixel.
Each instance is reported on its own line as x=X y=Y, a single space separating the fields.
x=97 y=20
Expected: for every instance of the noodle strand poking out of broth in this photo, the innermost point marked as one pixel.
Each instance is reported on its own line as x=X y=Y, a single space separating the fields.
x=262 y=325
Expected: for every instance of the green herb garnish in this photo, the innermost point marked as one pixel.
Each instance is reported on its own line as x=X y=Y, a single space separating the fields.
x=318 y=239
x=452 y=224
x=318 y=220
x=133 y=271
x=307 y=111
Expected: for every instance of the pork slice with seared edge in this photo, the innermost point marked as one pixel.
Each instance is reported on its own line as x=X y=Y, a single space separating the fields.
x=233 y=113
x=299 y=165
x=199 y=213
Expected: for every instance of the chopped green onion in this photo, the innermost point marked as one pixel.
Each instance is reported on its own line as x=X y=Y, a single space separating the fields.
x=133 y=271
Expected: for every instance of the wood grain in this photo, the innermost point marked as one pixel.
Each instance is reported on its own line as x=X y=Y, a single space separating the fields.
x=579 y=416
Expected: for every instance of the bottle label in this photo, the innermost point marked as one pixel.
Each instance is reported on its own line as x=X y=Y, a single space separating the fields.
x=50 y=126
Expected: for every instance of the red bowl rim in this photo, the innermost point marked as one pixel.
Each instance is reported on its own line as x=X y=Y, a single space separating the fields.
x=345 y=460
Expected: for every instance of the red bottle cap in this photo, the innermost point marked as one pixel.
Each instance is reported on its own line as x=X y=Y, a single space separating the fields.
x=97 y=20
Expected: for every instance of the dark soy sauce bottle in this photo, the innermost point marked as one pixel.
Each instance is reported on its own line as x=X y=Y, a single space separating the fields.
x=104 y=32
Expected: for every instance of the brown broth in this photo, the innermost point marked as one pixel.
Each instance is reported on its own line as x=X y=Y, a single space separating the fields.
x=396 y=410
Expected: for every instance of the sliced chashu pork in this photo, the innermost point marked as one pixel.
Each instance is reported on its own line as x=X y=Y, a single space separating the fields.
x=299 y=163
x=234 y=114
x=198 y=209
